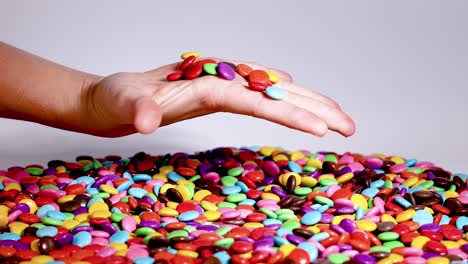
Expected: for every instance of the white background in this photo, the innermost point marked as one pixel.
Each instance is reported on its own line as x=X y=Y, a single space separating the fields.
x=399 y=68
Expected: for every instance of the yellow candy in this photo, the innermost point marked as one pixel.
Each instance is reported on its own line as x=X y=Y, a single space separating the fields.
x=366 y=225
x=166 y=169
x=253 y=225
x=81 y=218
x=314 y=163
x=411 y=181
x=183 y=182
x=17 y=227
x=121 y=253
x=388 y=218
x=167 y=211
x=69 y=224
x=101 y=214
x=326 y=176
x=61 y=169
x=4 y=210
x=451 y=194
x=108 y=189
x=314 y=229
x=271 y=196
x=337 y=219
x=3 y=220
x=286 y=249
x=280 y=157
x=297 y=155
x=345 y=177
x=391 y=176
x=212 y=216
x=98 y=206
x=32 y=205
x=172 y=205
x=209 y=206
x=450 y=244
x=65 y=198
x=13 y=186
x=395 y=258
x=405 y=215
x=42 y=259
x=200 y=195
x=397 y=159
x=85 y=162
x=187 y=253
x=247 y=255
x=165 y=187
x=34 y=245
x=266 y=150
x=359 y=200
x=268 y=187
x=308 y=182
x=429 y=210
x=284 y=178
x=184 y=191
x=137 y=218
x=118 y=246
x=420 y=241
x=160 y=176
x=188 y=54
x=420 y=182
x=380 y=156
x=274 y=78
x=438 y=260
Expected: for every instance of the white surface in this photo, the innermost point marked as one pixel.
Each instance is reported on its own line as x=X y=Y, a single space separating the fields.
x=400 y=68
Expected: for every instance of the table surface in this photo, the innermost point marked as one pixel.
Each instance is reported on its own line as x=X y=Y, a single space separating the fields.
x=399 y=69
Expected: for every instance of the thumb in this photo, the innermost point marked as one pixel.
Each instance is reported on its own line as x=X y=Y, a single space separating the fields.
x=147 y=116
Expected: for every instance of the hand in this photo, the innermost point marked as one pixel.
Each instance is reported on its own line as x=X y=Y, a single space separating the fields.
x=126 y=103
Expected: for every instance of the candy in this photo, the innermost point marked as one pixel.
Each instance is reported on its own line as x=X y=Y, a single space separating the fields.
x=275 y=93
x=227 y=205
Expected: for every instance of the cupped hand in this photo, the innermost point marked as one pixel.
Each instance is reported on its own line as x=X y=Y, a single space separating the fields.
x=127 y=103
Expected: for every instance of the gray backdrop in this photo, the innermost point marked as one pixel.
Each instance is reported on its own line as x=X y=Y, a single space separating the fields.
x=399 y=68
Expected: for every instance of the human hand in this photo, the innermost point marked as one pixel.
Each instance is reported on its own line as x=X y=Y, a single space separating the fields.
x=126 y=103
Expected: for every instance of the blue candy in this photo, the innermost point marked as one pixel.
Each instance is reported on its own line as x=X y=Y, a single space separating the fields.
x=461 y=221
x=119 y=237
x=188 y=216
x=231 y=190
x=275 y=93
x=47 y=231
x=141 y=177
x=294 y=167
x=82 y=239
x=43 y=210
x=10 y=236
x=423 y=217
x=144 y=260
x=320 y=236
x=311 y=218
x=137 y=192
x=223 y=257
x=311 y=249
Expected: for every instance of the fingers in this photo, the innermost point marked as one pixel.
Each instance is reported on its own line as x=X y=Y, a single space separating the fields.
x=336 y=119
x=147 y=115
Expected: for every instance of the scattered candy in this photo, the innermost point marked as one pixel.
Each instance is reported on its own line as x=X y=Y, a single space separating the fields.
x=258 y=80
x=228 y=205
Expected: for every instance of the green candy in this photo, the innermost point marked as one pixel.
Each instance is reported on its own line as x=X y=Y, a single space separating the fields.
x=189 y=228
x=38 y=225
x=229 y=181
x=393 y=244
x=143 y=231
x=69 y=216
x=438 y=189
x=309 y=169
x=291 y=224
x=268 y=213
x=427 y=184
x=224 y=242
x=195 y=178
x=330 y=158
x=286 y=217
x=51 y=221
x=177 y=233
x=236 y=197
x=48 y=186
x=370 y=202
x=223 y=230
x=210 y=68
x=311 y=156
x=190 y=189
x=102 y=195
x=152 y=196
x=88 y=167
x=323 y=200
x=327 y=181
x=117 y=217
x=117 y=226
x=97 y=164
x=380 y=248
x=338 y=258
x=415 y=170
x=284 y=211
x=388 y=184
x=388 y=236
x=35 y=171
x=124 y=199
x=302 y=191
x=235 y=171
x=227 y=204
x=452 y=188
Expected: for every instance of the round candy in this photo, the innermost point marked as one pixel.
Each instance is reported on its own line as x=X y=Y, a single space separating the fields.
x=275 y=93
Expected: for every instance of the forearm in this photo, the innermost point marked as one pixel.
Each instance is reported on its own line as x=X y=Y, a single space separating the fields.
x=38 y=90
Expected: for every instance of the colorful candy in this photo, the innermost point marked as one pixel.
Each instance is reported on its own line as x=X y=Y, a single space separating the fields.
x=258 y=80
x=228 y=205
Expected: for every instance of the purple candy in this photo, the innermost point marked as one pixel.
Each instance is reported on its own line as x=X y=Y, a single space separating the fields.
x=150 y=223
x=108 y=227
x=464 y=248
x=428 y=255
x=24 y=208
x=276 y=190
x=62 y=185
x=345 y=210
x=226 y=71
x=314 y=174
x=192 y=223
x=81 y=210
x=209 y=228
x=430 y=227
x=294 y=239
x=364 y=259
x=269 y=180
x=337 y=229
x=326 y=218
x=274 y=226
x=430 y=175
x=50 y=171
x=22 y=246
x=307 y=209
x=191 y=237
x=344 y=247
x=344 y=170
x=269 y=243
x=403 y=191
x=8 y=243
x=81 y=228
x=348 y=225
x=101 y=180
x=246 y=239
x=65 y=239
x=147 y=200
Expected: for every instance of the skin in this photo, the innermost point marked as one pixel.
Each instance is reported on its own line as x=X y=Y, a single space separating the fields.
x=37 y=90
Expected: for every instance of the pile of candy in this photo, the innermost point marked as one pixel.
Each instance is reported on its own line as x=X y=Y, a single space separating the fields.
x=228 y=205
x=258 y=80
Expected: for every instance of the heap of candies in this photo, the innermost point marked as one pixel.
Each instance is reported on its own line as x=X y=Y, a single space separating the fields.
x=258 y=80
x=228 y=205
